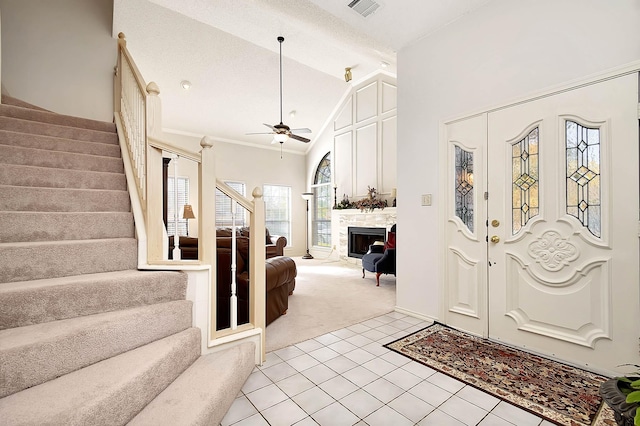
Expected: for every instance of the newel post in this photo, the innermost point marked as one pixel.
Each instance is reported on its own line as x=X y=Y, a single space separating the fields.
x=257 y=256
x=207 y=220
x=154 y=111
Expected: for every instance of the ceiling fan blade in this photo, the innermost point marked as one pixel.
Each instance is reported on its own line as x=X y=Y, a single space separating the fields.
x=299 y=138
x=303 y=130
x=270 y=126
x=260 y=133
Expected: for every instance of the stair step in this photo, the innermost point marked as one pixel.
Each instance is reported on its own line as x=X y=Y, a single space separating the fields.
x=56 y=226
x=34 y=354
x=59 y=160
x=36 y=128
x=26 y=198
x=44 y=177
x=53 y=118
x=110 y=392
x=41 y=260
x=33 y=302
x=204 y=392
x=9 y=100
x=51 y=143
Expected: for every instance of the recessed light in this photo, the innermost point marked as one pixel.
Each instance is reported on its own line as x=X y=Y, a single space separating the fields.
x=185 y=84
x=384 y=64
x=292 y=113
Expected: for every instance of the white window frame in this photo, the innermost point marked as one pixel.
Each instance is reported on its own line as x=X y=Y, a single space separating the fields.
x=269 y=207
x=223 y=206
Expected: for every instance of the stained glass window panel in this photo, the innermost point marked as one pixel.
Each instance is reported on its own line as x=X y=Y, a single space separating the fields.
x=464 y=186
x=583 y=175
x=525 y=180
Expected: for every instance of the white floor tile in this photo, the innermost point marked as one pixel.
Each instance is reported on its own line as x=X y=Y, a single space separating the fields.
x=395 y=315
x=386 y=416
x=285 y=413
x=493 y=420
x=327 y=339
x=359 y=340
x=387 y=340
x=303 y=362
x=255 y=420
x=445 y=382
x=400 y=324
x=375 y=348
x=438 y=418
x=419 y=370
x=343 y=333
x=320 y=373
x=396 y=359
x=384 y=390
x=411 y=407
x=361 y=403
x=515 y=415
x=340 y=364
x=360 y=356
x=430 y=393
x=256 y=380
x=239 y=410
x=324 y=354
x=479 y=398
x=338 y=387
x=359 y=328
x=385 y=319
x=462 y=410
x=279 y=371
x=313 y=400
x=307 y=421
x=360 y=376
x=289 y=352
x=412 y=320
x=373 y=323
x=342 y=347
x=335 y=415
x=270 y=360
x=295 y=384
x=379 y=366
x=266 y=397
x=374 y=335
x=309 y=345
x=402 y=378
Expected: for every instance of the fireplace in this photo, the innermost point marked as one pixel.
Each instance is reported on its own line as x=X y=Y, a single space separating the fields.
x=361 y=238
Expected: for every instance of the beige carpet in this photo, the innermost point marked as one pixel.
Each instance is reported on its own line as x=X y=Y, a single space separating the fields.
x=329 y=296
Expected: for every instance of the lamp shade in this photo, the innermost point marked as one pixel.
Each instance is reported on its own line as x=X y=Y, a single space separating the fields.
x=307 y=195
x=188 y=212
x=281 y=137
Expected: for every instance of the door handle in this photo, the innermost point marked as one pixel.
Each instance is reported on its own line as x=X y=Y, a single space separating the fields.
x=495 y=239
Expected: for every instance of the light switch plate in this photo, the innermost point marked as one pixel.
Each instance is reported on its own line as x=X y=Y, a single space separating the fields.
x=426 y=199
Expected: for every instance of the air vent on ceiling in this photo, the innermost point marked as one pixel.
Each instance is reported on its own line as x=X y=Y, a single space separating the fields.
x=364 y=7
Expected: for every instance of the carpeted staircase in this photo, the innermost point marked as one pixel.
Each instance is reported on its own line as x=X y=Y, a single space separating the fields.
x=86 y=338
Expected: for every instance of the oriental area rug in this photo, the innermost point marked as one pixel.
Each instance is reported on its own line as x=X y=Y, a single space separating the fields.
x=562 y=394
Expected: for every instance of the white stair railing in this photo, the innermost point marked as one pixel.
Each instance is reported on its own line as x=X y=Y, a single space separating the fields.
x=137 y=113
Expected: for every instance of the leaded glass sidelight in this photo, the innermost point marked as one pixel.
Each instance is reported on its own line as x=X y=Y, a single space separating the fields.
x=464 y=186
x=525 y=179
x=583 y=175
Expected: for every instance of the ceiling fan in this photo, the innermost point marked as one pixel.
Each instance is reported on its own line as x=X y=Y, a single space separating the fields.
x=281 y=132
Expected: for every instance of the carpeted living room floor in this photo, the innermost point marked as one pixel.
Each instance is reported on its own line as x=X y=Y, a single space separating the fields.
x=329 y=295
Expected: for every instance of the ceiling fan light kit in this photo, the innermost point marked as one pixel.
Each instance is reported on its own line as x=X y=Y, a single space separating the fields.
x=281 y=132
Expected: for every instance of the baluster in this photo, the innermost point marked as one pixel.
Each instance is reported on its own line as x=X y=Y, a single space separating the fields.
x=234 y=299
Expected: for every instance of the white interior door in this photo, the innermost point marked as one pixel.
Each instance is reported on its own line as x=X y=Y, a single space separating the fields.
x=563 y=225
x=466 y=247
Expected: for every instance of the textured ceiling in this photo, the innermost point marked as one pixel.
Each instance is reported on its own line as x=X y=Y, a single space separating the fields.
x=228 y=49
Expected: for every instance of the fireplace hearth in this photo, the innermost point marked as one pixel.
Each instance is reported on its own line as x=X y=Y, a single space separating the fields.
x=361 y=238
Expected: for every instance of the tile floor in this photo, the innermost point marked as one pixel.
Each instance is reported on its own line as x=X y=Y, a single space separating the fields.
x=347 y=377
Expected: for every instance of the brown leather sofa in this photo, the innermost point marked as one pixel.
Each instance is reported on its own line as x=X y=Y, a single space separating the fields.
x=274 y=244
x=280 y=279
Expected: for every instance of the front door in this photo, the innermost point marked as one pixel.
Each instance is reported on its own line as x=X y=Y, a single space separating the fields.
x=562 y=226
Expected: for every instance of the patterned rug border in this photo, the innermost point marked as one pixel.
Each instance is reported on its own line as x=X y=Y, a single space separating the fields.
x=604 y=416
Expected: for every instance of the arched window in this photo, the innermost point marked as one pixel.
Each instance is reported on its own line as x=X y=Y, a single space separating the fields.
x=321 y=223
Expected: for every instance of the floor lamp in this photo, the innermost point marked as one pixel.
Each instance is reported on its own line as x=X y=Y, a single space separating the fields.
x=188 y=214
x=307 y=196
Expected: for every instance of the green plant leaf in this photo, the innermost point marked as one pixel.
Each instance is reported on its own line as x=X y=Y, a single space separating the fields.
x=633 y=397
x=635 y=384
x=636 y=419
x=624 y=379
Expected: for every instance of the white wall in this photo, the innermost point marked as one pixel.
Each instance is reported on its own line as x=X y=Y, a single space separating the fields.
x=255 y=167
x=507 y=49
x=59 y=55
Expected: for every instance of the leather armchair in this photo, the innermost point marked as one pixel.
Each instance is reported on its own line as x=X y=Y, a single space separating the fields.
x=381 y=259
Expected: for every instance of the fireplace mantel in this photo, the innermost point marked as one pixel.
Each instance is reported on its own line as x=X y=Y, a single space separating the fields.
x=342 y=219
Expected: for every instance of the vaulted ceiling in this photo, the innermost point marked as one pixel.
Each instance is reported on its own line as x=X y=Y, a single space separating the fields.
x=228 y=50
